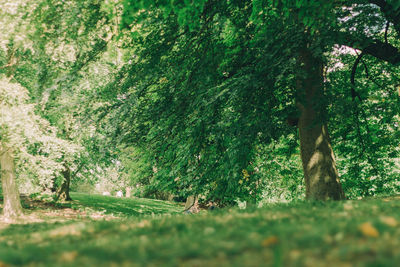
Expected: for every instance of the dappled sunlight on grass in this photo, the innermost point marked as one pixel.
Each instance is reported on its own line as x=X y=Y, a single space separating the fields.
x=86 y=207
x=346 y=233
x=125 y=206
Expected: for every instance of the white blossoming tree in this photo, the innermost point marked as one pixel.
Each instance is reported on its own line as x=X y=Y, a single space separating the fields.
x=29 y=147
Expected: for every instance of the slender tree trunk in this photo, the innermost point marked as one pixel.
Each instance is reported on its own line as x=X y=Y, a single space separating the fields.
x=11 y=202
x=63 y=191
x=319 y=165
x=128 y=191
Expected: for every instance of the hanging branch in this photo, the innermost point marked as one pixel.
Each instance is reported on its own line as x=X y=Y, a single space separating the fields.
x=371 y=160
x=355 y=94
x=371 y=78
x=386 y=31
x=365 y=68
x=374 y=47
x=360 y=138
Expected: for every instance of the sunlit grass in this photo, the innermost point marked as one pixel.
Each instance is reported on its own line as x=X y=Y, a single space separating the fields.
x=348 y=233
x=124 y=206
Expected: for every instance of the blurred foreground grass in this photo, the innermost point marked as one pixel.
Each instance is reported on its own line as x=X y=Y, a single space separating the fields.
x=348 y=233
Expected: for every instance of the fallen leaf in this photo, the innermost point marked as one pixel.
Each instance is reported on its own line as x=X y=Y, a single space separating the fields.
x=272 y=240
x=2 y=264
x=368 y=230
x=68 y=256
x=295 y=254
x=389 y=221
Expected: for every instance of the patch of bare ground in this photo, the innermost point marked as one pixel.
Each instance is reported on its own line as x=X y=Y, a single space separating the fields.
x=391 y=198
x=36 y=211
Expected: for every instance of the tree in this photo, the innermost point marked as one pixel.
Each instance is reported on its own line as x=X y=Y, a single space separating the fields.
x=374 y=47
x=194 y=89
x=310 y=28
x=234 y=61
x=59 y=43
x=320 y=173
x=205 y=150
x=30 y=138
x=366 y=141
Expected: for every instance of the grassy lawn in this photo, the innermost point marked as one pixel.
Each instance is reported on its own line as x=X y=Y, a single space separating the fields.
x=124 y=207
x=348 y=233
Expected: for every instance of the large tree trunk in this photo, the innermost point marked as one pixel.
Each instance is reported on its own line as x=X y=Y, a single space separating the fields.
x=11 y=202
x=63 y=191
x=319 y=165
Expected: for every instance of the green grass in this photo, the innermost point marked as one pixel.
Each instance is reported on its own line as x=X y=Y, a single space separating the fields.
x=124 y=207
x=298 y=234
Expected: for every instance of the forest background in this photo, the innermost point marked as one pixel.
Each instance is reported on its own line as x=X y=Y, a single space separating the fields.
x=228 y=101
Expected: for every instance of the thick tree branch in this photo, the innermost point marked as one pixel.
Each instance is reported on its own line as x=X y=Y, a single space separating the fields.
x=383 y=51
x=379 y=49
x=380 y=3
x=376 y=48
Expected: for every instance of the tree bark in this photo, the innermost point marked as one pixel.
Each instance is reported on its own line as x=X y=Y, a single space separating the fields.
x=11 y=201
x=63 y=191
x=128 y=191
x=319 y=165
x=192 y=204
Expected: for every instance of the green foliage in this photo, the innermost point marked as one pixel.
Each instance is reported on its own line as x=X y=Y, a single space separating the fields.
x=187 y=12
x=192 y=97
x=66 y=40
x=206 y=97
x=367 y=145
x=39 y=152
x=200 y=120
x=279 y=171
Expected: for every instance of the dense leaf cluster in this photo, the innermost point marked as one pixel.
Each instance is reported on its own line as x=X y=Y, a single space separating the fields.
x=200 y=97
